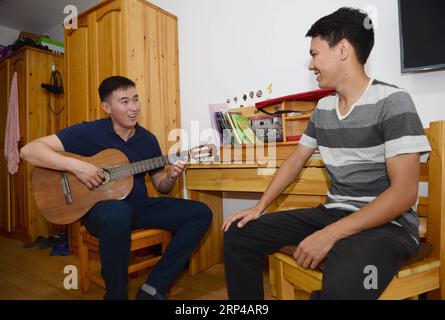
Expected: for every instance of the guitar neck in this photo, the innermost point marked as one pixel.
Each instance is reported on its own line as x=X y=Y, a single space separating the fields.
x=130 y=169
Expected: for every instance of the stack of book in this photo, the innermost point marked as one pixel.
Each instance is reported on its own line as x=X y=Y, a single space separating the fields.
x=234 y=128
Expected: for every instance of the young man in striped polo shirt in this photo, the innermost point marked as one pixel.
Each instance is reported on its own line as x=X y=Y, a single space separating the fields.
x=370 y=139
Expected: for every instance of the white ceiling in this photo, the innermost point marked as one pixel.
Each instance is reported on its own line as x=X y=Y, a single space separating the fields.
x=37 y=16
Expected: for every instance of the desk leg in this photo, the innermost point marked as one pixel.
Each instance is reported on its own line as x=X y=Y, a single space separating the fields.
x=210 y=250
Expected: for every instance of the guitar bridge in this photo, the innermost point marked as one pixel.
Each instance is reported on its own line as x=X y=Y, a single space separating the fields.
x=66 y=188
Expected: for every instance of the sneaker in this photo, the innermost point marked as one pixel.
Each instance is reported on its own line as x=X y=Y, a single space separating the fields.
x=60 y=250
x=144 y=295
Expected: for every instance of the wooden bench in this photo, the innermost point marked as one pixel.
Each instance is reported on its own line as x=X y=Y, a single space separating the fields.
x=422 y=273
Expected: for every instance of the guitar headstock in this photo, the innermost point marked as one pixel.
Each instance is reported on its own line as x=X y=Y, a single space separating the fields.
x=202 y=151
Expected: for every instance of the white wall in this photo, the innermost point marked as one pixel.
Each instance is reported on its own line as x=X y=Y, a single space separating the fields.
x=230 y=47
x=8 y=35
x=56 y=32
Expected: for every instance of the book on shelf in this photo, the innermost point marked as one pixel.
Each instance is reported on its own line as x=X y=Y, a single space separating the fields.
x=231 y=126
x=243 y=127
x=216 y=119
x=238 y=127
x=51 y=44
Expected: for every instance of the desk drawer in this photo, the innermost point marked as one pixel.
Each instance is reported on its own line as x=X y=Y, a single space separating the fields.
x=311 y=181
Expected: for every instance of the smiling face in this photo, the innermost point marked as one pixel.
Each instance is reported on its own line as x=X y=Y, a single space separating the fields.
x=327 y=63
x=123 y=106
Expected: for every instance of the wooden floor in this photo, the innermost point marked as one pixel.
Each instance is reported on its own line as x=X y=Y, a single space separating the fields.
x=33 y=274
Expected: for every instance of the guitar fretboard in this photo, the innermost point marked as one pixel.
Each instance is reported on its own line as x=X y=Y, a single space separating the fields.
x=130 y=169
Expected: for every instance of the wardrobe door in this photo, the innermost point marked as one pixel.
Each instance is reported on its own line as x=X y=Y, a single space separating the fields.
x=46 y=114
x=152 y=40
x=105 y=32
x=4 y=176
x=18 y=181
x=77 y=74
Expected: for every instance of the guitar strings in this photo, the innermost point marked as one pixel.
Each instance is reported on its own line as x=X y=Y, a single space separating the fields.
x=130 y=169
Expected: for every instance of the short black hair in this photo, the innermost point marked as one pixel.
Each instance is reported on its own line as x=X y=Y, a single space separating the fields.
x=110 y=84
x=346 y=23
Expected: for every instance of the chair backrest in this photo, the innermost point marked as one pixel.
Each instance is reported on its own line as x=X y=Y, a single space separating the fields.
x=432 y=208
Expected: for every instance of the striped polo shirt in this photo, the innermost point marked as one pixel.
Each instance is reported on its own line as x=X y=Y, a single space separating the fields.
x=382 y=124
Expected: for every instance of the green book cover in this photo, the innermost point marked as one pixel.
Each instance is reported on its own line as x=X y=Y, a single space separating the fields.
x=243 y=127
x=231 y=126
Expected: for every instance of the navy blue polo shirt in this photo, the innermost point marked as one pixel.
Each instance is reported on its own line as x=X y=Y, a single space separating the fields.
x=88 y=138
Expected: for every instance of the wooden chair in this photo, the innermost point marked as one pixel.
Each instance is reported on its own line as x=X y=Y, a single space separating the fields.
x=422 y=273
x=140 y=239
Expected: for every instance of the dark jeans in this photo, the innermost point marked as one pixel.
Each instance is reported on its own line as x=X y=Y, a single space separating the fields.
x=112 y=221
x=344 y=275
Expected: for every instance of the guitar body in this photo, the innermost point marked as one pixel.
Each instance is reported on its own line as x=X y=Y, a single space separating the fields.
x=50 y=197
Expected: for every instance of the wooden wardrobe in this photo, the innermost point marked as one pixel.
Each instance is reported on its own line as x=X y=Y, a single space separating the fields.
x=131 y=38
x=19 y=217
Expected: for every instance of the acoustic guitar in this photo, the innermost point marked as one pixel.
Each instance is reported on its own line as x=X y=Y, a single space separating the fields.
x=64 y=199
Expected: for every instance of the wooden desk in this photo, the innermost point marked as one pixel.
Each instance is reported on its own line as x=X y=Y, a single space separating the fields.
x=206 y=182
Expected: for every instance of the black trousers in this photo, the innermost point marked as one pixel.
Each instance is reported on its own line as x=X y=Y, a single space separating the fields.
x=113 y=220
x=344 y=275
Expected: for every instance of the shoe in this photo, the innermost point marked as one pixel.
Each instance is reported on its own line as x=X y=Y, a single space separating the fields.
x=143 y=295
x=47 y=243
x=39 y=242
x=60 y=250
x=58 y=239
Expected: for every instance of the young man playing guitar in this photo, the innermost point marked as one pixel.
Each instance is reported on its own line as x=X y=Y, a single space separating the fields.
x=113 y=220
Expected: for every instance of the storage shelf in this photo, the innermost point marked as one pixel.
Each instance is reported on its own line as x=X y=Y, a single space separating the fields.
x=299 y=117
